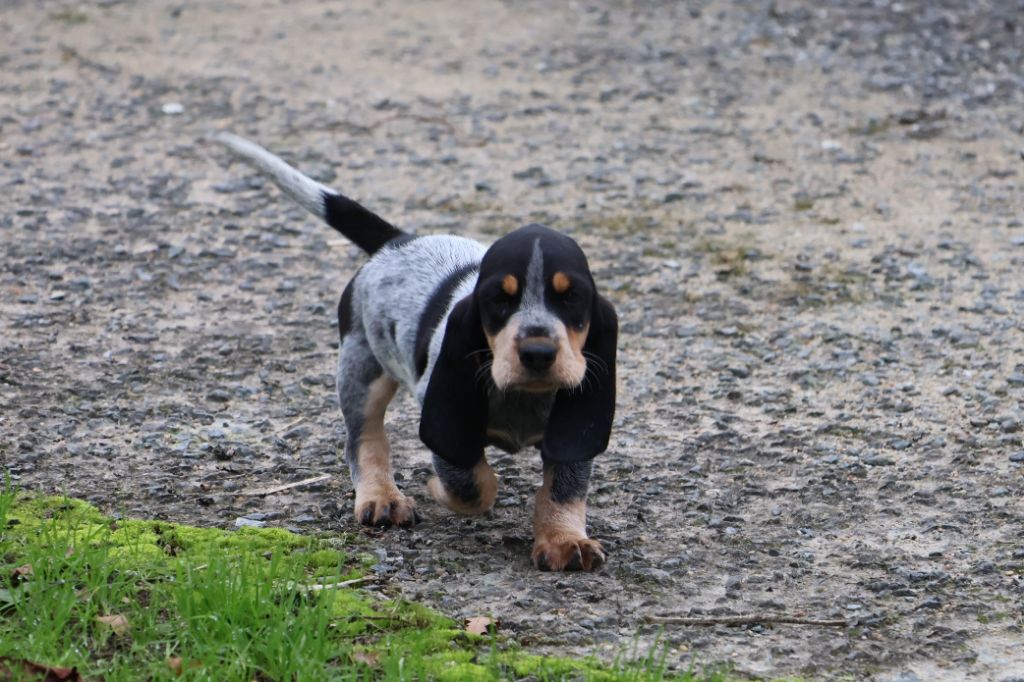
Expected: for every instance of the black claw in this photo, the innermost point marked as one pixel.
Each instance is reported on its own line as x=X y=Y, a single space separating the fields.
x=542 y=563
x=408 y=521
x=576 y=563
x=385 y=517
x=367 y=517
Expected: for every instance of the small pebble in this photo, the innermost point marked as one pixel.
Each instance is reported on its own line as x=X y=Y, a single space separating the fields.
x=739 y=371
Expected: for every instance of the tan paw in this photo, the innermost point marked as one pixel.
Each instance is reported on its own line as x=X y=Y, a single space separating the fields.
x=566 y=553
x=386 y=508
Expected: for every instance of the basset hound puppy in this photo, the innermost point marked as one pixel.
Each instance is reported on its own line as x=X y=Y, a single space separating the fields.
x=509 y=346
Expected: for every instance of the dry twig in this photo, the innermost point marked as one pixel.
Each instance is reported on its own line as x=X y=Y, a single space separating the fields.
x=747 y=619
x=289 y=425
x=292 y=585
x=343 y=583
x=69 y=53
x=281 y=488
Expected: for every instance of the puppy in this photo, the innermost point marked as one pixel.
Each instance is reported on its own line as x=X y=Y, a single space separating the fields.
x=510 y=346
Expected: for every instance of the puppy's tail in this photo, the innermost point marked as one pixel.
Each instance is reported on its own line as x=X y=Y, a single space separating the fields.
x=362 y=227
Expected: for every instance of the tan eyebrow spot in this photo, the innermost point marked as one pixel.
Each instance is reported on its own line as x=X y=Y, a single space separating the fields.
x=510 y=285
x=560 y=282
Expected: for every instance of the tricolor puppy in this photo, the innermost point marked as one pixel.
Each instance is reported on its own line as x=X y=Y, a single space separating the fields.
x=509 y=346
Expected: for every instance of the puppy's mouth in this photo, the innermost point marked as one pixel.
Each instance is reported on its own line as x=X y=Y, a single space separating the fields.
x=538 y=385
x=549 y=381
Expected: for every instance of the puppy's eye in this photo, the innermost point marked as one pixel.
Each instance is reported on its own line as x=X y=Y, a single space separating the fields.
x=500 y=303
x=498 y=298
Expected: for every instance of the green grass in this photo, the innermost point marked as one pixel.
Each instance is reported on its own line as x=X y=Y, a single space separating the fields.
x=131 y=600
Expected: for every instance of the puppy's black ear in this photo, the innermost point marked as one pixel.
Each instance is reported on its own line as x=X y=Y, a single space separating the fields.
x=581 y=419
x=453 y=422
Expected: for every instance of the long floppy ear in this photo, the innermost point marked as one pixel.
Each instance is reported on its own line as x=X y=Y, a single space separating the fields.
x=453 y=422
x=581 y=419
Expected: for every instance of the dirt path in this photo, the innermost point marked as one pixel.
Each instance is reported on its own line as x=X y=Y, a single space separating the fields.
x=809 y=216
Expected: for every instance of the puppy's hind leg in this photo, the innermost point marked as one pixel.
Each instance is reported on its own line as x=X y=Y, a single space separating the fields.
x=364 y=391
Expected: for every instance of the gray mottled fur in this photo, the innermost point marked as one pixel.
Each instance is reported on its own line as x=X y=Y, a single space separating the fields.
x=391 y=295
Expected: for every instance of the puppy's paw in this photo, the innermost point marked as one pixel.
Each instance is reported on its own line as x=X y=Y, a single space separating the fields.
x=566 y=553
x=385 y=508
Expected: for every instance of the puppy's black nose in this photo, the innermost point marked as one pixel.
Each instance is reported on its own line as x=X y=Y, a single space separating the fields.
x=537 y=356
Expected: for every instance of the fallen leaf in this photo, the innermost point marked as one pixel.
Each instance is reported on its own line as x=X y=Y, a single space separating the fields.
x=479 y=625
x=21 y=574
x=177 y=665
x=370 y=658
x=117 y=622
x=11 y=668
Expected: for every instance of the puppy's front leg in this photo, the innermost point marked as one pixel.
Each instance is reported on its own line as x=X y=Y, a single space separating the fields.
x=560 y=520
x=466 y=491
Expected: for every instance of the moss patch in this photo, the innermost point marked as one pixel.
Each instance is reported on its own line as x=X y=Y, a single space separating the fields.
x=131 y=599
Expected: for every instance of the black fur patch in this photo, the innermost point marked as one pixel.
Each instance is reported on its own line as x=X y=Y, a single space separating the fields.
x=581 y=420
x=362 y=227
x=401 y=240
x=345 y=310
x=570 y=480
x=457 y=481
x=434 y=311
x=453 y=422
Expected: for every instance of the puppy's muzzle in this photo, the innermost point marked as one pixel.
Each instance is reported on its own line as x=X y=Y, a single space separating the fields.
x=537 y=354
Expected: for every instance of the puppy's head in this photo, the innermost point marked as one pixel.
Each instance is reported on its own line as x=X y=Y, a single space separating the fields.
x=535 y=295
x=535 y=308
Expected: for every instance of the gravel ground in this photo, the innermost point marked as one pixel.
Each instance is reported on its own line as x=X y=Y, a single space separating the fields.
x=807 y=214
